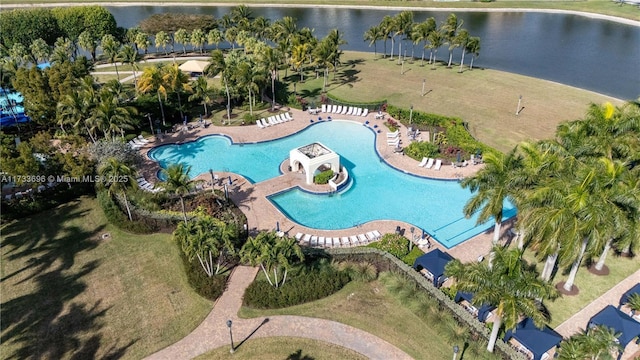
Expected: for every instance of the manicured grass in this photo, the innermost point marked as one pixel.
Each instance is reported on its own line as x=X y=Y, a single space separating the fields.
x=278 y=348
x=591 y=286
x=595 y=6
x=368 y=306
x=486 y=99
x=69 y=293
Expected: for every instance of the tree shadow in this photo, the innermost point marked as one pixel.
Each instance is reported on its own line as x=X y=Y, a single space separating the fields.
x=48 y=321
x=298 y=356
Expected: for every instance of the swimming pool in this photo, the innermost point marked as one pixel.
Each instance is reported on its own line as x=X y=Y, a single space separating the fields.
x=10 y=112
x=378 y=191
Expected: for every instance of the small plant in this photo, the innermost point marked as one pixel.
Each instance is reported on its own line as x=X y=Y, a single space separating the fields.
x=323 y=177
x=392 y=125
x=394 y=244
x=634 y=303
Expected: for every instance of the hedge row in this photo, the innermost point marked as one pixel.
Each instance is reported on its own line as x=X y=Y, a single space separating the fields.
x=208 y=287
x=300 y=289
x=117 y=217
x=372 y=105
x=387 y=262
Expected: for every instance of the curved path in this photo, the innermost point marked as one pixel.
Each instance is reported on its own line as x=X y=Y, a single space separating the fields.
x=213 y=332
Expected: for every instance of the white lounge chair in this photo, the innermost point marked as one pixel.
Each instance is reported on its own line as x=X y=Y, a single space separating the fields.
x=306 y=239
x=142 y=139
x=393 y=134
x=281 y=118
x=334 y=109
x=363 y=239
x=429 y=164
x=288 y=116
x=344 y=111
x=344 y=241
x=259 y=124
x=365 y=112
x=324 y=107
x=438 y=165
x=321 y=241
x=354 y=240
x=336 y=242
x=394 y=143
x=350 y=111
x=299 y=236
x=377 y=234
x=314 y=240
x=423 y=162
x=359 y=112
x=272 y=120
x=339 y=111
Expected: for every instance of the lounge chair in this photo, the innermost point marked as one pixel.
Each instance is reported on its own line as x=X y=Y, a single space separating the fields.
x=281 y=118
x=394 y=143
x=438 y=165
x=363 y=239
x=314 y=240
x=336 y=242
x=334 y=108
x=299 y=236
x=359 y=112
x=393 y=134
x=288 y=116
x=344 y=111
x=321 y=241
x=350 y=111
x=142 y=139
x=429 y=164
x=354 y=240
x=365 y=112
x=306 y=239
x=272 y=120
x=344 y=241
x=423 y=162
x=324 y=107
x=339 y=111
x=259 y=124
x=377 y=234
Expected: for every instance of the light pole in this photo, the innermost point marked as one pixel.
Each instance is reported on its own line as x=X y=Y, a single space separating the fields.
x=229 y=323
x=410 y=114
x=423 y=82
x=519 y=102
x=456 y=349
x=212 y=181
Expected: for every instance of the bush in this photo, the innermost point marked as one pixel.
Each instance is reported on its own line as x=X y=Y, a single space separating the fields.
x=208 y=287
x=323 y=177
x=305 y=287
x=363 y=271
x=394 y=244
x=249 y=119
x=116 y=216
x=419 y=149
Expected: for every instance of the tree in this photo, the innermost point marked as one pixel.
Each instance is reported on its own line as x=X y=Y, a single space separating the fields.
x=214 y=36
x=62 y=51
x=270 y=59
x=116 y=176
x=462 y=39
x=162 y=40
x=436 y=40
x=450 y=29
x=372 y=35
x=491 y=187
x=510 y=284
x=177 y=81
x=87 y=42
x=113 y=117
x=217 y=65
x=386 y=28
x=403 y=26
x=179 y=183
x=273 y=254
x=182 y=37
x=421 y=33
x=129 y=55
x=473 y=47
x=152 y=80
x=198 y=38
x=206 y=238
x=142 y=41
x=250 y=76
x=40 y=50
x=202 y=92
x=597 y=343
x=110 y=48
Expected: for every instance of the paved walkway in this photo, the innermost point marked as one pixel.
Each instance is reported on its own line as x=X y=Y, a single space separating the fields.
x=213 y=333
x=578 y=321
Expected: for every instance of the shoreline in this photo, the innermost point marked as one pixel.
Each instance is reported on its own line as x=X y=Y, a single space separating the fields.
x=362 y=7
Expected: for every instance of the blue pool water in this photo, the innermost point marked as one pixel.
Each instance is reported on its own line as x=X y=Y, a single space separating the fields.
x=10 y=112
x=378 y=191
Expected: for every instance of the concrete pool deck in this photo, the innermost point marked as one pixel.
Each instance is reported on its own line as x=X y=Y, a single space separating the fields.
x=263 y=215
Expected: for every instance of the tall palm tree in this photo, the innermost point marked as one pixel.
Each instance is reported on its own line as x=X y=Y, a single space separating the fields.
x=403 y=27
x=509 y=284
x=114 y=117
x=214 y=36
x=596 y=343
x=177 y=81
x=179 y=183
x=202 y=92
x=198 y=38
x=218 y=65
x=421 y=33
x=473 y=47
x=373 y=35
x=111 y=49
x=117 y=176
x=251 y=77
x=273 y=254
x=88 y=42
x=142 y=41
x=436 y=40
x=491 y=187
x=129 y=55
x=270 y=59
x=450 y=29
x=182 y=36
x=386 y=28
x=40 y=50
x=462 y=39
x=152 y=80
x=162 y=40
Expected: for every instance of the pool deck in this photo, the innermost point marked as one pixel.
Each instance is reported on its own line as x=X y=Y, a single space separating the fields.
x=263 y=215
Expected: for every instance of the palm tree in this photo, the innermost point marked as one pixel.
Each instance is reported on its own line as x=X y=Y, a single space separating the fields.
x=112 y=115
x=117 y=176
x=634 y=302
x=372 y=35
x=179 y=183
x=421 y=33
x=198 y=39
x=218 y=65
x=182 y=36
x=110 y=48
x=142 y=41
x=403 y=26
x=250 y=76
x=473 y=47
x=509 y=284
x=129 y=55
x=40 y=50
x=273 y=254
x=599 y=342
x=214 y=36
x=436 y=40
x=491 y=187
x=386 y=28
x=152 y=80
x=450 y=29
x=177 y=81
x=202 y=92
x=162 y=40
x=271 y=59
x=89 y=43
x=462 y=39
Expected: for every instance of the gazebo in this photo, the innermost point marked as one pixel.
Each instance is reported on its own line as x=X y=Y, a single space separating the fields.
x=483 y=312
x=434 y=262
x=537 y=341
x=311 y=157
x=620 y=322
x=194 y=66
x=625 y=297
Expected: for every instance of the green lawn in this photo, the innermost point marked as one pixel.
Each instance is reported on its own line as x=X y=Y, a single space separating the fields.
x=69 y=293
x=595 y=6
x=279 y=348
x=370 y=307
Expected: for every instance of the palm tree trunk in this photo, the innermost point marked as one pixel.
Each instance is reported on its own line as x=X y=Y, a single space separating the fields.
x=250 y=103
x=471 y=65
x=184 y=212
x=275 y=276
x=204 y=265
x=433 y=63
x=399 y=51
x=226 y=87
x=422 y=59
x=603 y=256
x=568 y=285
x=161 y=109
x=497 y=323
x=266 y=274
x=549 y=265
x=392 y=45
x=284 y=279
x=126 y=205
x=273 y=91
x=384 y=56
x=450 y=58
x=462 y=61
x=496 y=232
x=117 y=73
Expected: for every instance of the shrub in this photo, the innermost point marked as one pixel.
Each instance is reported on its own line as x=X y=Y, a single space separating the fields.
x=363 y=271
x=305 y=287
x=208 y=287
x=323 y=177
x=394 y=244
x=419 y=149
x=116 y=216
x=249 y=119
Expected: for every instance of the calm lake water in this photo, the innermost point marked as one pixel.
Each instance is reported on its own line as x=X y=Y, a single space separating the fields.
x=598 y=55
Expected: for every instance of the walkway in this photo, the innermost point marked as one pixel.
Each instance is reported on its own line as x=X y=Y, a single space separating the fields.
x=578 y=321
x=213 y=333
